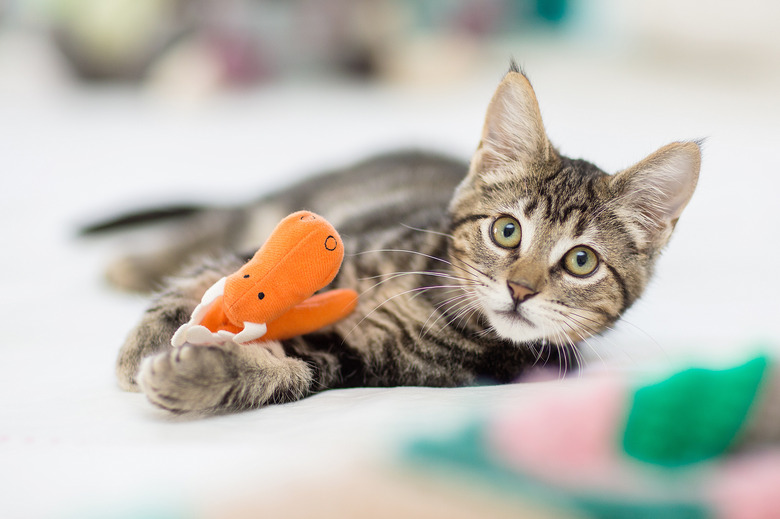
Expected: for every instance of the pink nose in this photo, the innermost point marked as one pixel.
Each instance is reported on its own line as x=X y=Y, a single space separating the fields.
x=520 y=292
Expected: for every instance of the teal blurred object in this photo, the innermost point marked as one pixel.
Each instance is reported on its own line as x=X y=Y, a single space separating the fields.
x=467 y=453
x=554 y=11
x=693 y=415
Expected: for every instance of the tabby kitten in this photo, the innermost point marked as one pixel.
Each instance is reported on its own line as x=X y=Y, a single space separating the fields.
x=466 y=272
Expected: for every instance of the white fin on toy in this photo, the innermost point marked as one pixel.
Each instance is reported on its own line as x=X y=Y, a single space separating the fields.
x=199 y=335
x=192 y=331
x=251 y=332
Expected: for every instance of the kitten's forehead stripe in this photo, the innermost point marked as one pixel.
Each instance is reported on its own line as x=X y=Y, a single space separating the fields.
x=530 y=207
x=467 y=219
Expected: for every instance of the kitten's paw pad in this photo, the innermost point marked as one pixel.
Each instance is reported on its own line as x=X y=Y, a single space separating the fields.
x=189 y=378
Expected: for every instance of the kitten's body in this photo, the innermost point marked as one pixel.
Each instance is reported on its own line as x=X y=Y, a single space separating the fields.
x=445 y=300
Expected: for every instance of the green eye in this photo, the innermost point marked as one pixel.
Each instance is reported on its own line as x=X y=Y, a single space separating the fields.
x=580 y=261
x=506 y=232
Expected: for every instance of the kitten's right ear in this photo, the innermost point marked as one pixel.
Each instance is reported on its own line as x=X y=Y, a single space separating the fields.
x=656 y=190
x=513 y=130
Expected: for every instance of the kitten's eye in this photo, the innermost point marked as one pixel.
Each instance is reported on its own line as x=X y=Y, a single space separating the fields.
x=580 y=261
x=506 y=232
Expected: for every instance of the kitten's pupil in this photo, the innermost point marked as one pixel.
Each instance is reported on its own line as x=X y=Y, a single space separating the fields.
x=509 y=230
x=582 y=258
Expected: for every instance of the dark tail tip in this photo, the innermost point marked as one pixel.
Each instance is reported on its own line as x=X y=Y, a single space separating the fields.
x=139 y=218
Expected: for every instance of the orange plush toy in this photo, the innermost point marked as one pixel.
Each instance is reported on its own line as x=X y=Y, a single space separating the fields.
x=271 y=296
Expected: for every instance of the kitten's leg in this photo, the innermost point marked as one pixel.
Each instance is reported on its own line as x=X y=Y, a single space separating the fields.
x=233 y=377
x=169 y=310
x=225 y=378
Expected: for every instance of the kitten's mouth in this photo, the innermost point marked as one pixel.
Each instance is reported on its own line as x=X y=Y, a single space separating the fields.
x=515 y=316
x=515 y=325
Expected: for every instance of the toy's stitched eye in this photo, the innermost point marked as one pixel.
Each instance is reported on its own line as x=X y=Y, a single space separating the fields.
x=246 y=276
x=260 y=295
x=506 y=232
x=581 y=261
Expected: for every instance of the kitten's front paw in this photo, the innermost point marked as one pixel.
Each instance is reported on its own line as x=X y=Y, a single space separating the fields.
x=190 y=378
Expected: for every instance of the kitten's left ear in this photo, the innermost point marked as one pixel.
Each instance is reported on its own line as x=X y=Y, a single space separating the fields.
x=657 y=189
x=513 y=130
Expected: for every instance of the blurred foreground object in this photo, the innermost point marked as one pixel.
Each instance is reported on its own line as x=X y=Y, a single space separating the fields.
x=698 y=443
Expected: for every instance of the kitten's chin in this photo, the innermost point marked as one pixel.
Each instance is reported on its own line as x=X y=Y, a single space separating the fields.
x=513 y=326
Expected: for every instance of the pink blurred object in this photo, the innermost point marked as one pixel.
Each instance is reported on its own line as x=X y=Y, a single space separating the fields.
x=568 y=434
x=747 y=486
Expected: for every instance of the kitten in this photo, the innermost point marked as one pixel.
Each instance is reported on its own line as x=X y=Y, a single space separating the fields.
x=466 y=272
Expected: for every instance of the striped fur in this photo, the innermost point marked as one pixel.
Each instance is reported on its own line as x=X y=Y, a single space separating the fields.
x=437 y=305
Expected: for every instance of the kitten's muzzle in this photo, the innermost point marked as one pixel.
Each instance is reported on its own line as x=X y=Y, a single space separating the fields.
x=520 y=292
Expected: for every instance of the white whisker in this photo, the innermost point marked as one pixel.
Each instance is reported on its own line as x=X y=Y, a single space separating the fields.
x=420 y=254
x=457 y=300
x=469 y=310
x=428 y=231
x=416 y=290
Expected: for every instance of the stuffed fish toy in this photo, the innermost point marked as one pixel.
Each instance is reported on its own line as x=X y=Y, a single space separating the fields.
x=272 y=296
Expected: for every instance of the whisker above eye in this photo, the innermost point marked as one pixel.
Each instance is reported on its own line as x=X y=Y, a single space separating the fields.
x=469 y=265
x=393 y=276
x=429 y=231
x=472 y=267
x=432 y=273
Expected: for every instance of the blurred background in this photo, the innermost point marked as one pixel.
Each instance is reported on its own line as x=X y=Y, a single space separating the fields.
x=108 y=106
x=114 y=105
x=111 y=105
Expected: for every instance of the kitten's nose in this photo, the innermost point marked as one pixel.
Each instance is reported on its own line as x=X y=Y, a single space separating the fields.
x=520 y=292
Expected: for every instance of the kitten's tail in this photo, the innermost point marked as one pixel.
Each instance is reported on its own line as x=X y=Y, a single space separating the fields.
x=138 y=218
x=165 y=240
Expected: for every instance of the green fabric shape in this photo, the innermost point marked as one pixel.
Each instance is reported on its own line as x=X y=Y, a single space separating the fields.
x=693 y=415
x=468 y=455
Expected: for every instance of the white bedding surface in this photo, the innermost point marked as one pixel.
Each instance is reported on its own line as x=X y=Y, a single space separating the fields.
x=71 y=442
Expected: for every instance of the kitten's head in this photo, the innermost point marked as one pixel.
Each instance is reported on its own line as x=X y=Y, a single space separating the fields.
x=560 y=248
